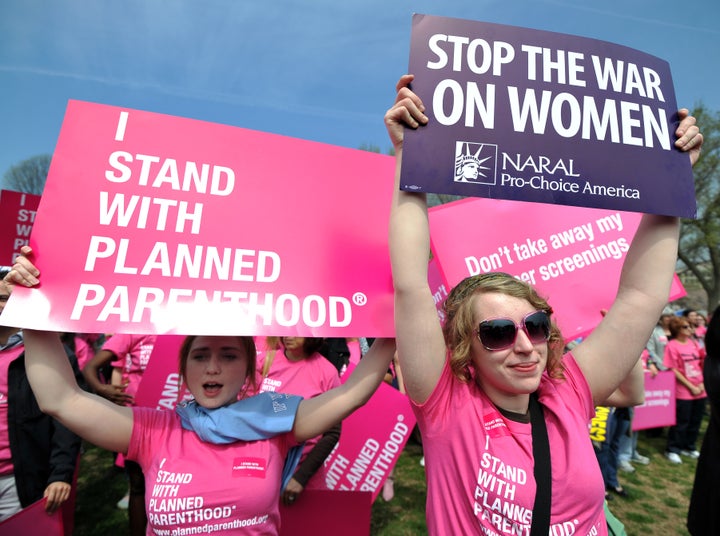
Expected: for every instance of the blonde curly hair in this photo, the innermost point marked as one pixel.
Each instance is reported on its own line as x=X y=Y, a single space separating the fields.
x=460 y=321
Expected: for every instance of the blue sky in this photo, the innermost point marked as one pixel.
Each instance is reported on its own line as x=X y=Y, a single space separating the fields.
x=319 y=70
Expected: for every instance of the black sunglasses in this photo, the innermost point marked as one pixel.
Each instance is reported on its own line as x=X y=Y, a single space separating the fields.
x=500 y=333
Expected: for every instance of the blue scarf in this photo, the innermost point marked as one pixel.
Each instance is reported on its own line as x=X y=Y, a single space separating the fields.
x=251 y=419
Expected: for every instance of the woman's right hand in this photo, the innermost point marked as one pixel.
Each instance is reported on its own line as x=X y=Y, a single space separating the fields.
x=23 y=271
x=407 y=111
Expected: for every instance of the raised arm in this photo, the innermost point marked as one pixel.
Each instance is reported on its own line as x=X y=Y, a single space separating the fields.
x=53 y=382
x=611 y=350
x=631 y=391
x=420 y=342
x=316 y=415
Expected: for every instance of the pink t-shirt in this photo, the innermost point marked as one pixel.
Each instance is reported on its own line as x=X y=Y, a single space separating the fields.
x=133 y=353
x=6 y=357
x=307 y=378
x=687 y=358
x=479 y=464
x=83 y=352
x=202 y=487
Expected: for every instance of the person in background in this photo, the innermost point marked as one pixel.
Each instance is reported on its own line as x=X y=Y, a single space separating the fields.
x=684 y=356
x=128 y=355
x=38 y=455
x=295 y=366
x=80 y=347
x=701 y=325
x=692 y=316
x=393 y=377
x=704 y=514
x=658 y=340
x=627 y=444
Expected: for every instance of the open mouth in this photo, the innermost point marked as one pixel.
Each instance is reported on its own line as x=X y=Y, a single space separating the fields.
x=212 y=388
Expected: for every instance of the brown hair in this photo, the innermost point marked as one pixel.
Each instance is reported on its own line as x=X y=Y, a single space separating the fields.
x=312 y=345
x=676 y=323
x=246 y=342
x=460 y=321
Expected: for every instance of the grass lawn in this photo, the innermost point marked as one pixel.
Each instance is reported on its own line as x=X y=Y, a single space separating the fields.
x=657 y=504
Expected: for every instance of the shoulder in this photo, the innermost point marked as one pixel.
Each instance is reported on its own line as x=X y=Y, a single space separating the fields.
x=572 y=392
x=152 y=418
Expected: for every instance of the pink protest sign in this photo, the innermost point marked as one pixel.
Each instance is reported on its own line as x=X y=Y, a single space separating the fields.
x=17 y=215
x=371 y=442
x=571 y=255
x=158 y=224
x=659 y=407
x=34 y=521
x=161 y=386
x=327 y=512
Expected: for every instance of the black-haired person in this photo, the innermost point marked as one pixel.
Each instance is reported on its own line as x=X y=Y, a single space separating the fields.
x=295 y=366
x=38 y=455
x=704 y=514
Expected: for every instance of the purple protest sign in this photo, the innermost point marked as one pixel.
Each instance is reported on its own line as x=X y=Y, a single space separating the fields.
x=530 y=115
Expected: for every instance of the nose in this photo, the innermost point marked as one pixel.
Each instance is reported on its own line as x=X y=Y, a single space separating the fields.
x=523 y=344
x=213 y=365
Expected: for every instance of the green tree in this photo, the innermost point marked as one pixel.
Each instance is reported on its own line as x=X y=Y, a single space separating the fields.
x=29 y=175
x=699 y=251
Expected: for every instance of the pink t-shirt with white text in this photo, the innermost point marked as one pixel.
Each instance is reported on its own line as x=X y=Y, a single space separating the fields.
x=206 y=488
x=307 y=378
x=133 y=353
x=688 y=359
x=479 y=464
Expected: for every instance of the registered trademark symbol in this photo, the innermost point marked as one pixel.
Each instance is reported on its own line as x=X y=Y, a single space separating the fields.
x=359 y=298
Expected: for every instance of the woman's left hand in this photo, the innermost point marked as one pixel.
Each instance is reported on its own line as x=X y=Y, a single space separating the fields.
x=689 y=137
x=291 y=492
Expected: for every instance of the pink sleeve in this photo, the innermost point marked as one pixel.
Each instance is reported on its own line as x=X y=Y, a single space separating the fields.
x=119 y=345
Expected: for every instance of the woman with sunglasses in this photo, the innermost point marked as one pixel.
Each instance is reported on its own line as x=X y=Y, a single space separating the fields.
x=471 y=380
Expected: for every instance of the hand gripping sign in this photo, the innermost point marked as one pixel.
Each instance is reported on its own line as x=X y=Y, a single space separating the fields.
x=158 y=224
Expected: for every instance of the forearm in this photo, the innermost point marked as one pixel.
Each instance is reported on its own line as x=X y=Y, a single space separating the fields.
x=317 y=455
x=316 y=415
x=649 y=266
x=369 y=373
x=409 y=235
x=49 y=372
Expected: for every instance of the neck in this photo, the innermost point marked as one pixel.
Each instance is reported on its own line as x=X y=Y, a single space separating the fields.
x=294 y=356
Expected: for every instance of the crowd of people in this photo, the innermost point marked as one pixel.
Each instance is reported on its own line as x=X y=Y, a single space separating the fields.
x=502 y=406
